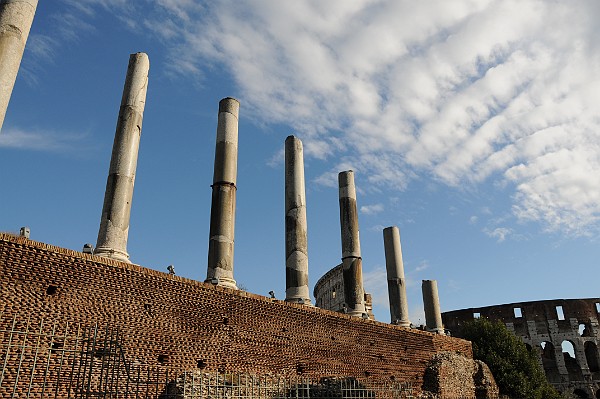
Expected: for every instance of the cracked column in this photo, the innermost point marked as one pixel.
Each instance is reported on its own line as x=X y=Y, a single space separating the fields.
x=431 y=303
x=16 y=17
x=296 y=246
x=114 y=224
x=354 y=292
x=395 y=277
x=222 y=212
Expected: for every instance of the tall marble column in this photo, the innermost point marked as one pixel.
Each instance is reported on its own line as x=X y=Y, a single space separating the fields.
x=114 y=224
x=222 y=212
x=16 y=17
x=395 y=277
x=354 y=292
x=431 y=303
x=296 y=240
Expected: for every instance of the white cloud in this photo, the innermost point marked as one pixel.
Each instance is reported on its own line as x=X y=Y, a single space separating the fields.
x=422 y=266
x=378 y=228
x=460 y=92
x=499 y=233
x=473 y=219
x=371 y=209
x=40 y=140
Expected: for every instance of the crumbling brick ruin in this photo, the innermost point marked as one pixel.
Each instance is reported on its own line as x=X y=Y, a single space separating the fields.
x=178 y=325
x=552 y=329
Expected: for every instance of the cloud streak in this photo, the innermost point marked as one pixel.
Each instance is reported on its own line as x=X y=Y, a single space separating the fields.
x=459 y=92
x=42 y=140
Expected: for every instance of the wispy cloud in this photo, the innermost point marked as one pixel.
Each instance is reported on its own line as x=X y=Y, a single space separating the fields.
x=371 y=209
x=499 y=233
x=459 y=92
x=41 y=140
x=422 y=266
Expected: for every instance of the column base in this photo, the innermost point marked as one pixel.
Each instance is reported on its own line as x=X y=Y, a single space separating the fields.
x=358 y=313
x=223 y=282
x=402 y=323
x=112 y=253
x=302 y=301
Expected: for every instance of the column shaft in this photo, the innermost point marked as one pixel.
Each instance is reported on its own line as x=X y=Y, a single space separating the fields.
x=431 y=303
x=354 y=293
x=296 y=240
x=222 y=213
x=16 y=17
x=114 y=224
x=395 y=277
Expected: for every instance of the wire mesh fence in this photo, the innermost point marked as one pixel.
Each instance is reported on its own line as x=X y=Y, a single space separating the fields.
x=196 y=384
x=52 y=360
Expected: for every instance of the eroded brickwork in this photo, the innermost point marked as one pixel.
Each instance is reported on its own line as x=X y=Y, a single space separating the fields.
x=176 y=323
x=552 y=329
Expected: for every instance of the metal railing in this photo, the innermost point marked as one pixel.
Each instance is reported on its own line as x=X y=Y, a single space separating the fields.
x=197 y=384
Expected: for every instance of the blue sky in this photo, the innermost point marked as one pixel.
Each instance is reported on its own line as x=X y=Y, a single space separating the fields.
x=471 y=125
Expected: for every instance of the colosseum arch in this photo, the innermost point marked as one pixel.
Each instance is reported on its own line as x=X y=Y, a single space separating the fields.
x=548 y=356
x=591 y=356
x=572 y=363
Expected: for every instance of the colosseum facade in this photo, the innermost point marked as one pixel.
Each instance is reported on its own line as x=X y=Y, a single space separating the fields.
x=564 y=333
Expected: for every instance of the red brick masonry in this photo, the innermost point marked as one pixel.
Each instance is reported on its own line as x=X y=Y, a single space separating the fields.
x=185 y=321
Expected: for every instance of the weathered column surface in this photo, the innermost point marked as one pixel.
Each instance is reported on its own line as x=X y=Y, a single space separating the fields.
x=354 y=292
x=16 y=17
x=296 y=245
x=222 y=212
x=395 y=277
x=114 y=224
x=431 y=302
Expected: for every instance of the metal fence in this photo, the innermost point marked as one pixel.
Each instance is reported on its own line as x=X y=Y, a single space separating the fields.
x=196 y=384
x=56 y=361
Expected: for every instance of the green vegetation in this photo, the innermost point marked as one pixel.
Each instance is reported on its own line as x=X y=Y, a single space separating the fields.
x=516 y=370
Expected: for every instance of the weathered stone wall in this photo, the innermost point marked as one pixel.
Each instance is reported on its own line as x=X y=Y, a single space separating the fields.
x=544 y=326
x=453 y=376
x=176 y=323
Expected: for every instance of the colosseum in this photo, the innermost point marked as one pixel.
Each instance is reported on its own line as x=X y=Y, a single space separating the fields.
x=563 y=332
x=329 y=293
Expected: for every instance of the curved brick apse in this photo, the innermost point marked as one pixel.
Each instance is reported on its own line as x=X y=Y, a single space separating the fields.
x=565 y=334
x=178 y=324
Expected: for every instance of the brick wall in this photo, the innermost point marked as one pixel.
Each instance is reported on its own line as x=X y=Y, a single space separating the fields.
x=184 y=322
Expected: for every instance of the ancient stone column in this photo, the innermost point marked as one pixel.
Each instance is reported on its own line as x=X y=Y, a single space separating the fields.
x=395 y=277
x=431 y=302
x=222 y=212
x=354 y=292
x=114 y=224
x=16 y=17
x=296 y=246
